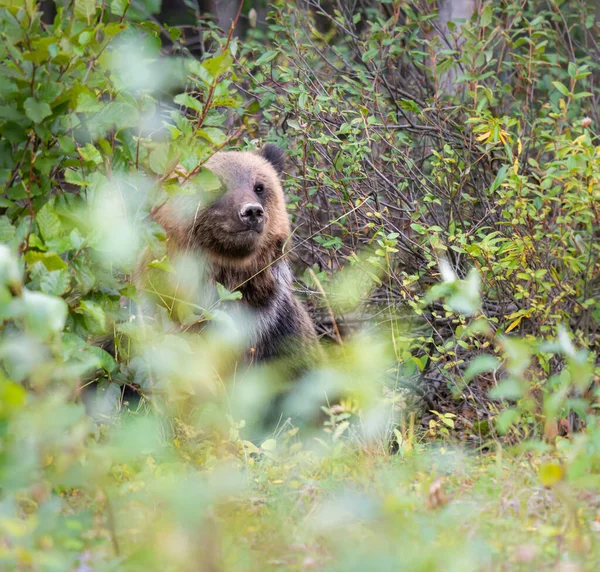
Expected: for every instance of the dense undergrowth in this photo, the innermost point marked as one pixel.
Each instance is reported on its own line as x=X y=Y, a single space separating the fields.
x=445 y=196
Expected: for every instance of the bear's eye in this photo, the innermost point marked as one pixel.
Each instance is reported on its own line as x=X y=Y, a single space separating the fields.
x=259 y=189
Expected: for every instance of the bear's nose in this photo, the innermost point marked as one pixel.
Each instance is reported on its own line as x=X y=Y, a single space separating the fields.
x=253 y=215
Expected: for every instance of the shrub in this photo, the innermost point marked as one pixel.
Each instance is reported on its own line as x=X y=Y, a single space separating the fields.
x=499 y=174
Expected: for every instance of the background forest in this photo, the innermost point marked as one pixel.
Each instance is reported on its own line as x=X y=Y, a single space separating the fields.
x=444 y=185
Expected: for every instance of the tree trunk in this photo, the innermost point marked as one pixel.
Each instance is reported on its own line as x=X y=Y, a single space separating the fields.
x=451 y=11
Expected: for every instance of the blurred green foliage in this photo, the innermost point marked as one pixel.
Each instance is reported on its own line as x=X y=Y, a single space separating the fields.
x=446 y=198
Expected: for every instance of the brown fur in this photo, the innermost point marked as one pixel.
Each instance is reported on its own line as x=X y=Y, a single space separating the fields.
x=213 y=236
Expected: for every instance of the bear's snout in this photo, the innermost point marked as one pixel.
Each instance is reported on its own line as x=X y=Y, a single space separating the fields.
x=253 y=216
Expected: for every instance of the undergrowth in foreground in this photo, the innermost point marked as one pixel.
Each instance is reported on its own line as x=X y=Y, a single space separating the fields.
x=445 y=194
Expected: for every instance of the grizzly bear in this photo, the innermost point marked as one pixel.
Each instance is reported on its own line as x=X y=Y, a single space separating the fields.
x=236 y=237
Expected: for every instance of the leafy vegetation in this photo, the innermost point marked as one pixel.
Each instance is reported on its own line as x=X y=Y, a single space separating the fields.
x=444 y=184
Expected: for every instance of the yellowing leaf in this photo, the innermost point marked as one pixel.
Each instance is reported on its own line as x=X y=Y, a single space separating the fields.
x=514 y=324
x=16 y=527
x=550 y=474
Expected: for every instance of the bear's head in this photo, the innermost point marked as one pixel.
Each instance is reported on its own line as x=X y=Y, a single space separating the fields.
x=243 y=220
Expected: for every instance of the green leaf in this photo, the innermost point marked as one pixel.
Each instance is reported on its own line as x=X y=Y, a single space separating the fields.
x=562 y=88
x=10 y=271
x=117 y=7
x=499 y=178
x=94 y=315
x=206 y=180
x=87 y=102
x=266 y=58
x=225 y=102
x=37 y=111
x=444 y=65
x=50 y=260
x=77 y=241
x=486 y=16
x=84 y=276
x=418 y=228
x=133 y=331
x=10 y=113
x=141 y=9
x=370 y=54
x=218 y=65
x=48 y=222
x=481 y=364
x=188 y=101
x=39 y=51
x=162 y=264
x=582 y=95
x=225 y=294
x=75 y=177
x=507 y=419
x=508 y=389
x=55 y=283
x=159 y=159
x=196 y=69
x=107 y=362
x=466 y=294
x=44 y=315
x=85 y=9
x=213 y=135
x=90 y=153
x=409 y=105
x=85 y=37
x=174 y=33
x=7 y=230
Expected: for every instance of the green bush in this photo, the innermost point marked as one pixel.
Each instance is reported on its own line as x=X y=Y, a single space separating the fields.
x=498 y=173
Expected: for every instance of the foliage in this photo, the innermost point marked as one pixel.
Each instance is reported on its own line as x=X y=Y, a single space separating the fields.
x=445 y=194
x=480 y=152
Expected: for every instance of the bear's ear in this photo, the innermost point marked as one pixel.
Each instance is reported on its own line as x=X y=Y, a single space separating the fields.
x=275 y=155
